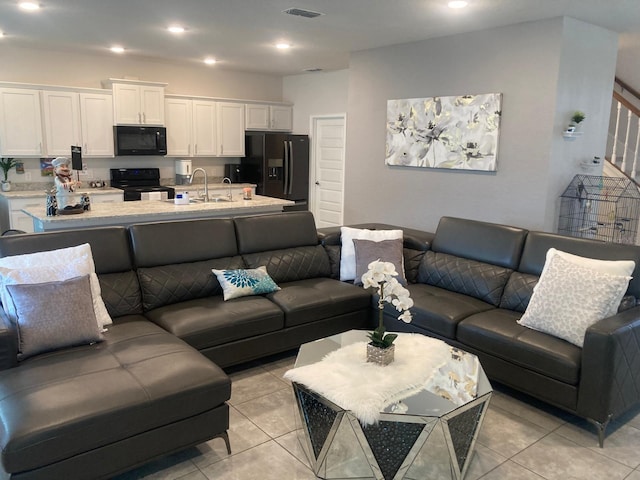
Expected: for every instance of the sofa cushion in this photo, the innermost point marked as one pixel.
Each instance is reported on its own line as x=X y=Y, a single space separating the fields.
x=477 y=279
x=166 y=284
x=245 y=282
x=518 y=291
x=497 y=333
x=291 y=264
x=168 y=243
x=208 y=322
x=60 y=404
x=278 y=231
x=121 y=293
x=481 y=241
x=306 y=301
x=438 y=310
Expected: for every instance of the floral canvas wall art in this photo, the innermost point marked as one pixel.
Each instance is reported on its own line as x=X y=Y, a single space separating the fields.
x=456 y=132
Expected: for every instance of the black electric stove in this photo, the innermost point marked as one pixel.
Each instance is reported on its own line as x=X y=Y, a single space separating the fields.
x=135 y=181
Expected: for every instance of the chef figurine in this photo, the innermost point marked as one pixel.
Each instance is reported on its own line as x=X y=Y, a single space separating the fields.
x=65 y=184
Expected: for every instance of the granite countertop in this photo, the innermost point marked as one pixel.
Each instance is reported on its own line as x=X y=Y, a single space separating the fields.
x=212 y=186
x=148 y=210
x=42 y=193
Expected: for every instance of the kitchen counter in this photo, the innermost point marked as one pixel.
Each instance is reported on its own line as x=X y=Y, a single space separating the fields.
x=42 y=194
x=127 y=213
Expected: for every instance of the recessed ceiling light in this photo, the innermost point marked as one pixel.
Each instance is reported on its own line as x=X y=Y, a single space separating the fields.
x=117 y=49
x=283 y=46
x=176 y=29
x=457 y=4
x=210 y=61
x=29 y=6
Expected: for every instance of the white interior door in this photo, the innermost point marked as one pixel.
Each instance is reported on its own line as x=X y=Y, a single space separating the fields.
x=327 y=187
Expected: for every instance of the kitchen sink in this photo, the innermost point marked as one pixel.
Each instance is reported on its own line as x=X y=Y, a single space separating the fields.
x=201 y=200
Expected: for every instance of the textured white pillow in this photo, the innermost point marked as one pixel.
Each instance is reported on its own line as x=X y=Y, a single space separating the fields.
x=613 y=267
x=50 y=266
x=348 y=253
x=569 y=298
x=245 y=282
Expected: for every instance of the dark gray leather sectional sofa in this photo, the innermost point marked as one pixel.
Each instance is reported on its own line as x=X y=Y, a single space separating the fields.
x=471 y=281
x=93 y=411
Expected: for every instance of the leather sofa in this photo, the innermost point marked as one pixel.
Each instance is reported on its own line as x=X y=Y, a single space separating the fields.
x=150 y=389
x=471 y=281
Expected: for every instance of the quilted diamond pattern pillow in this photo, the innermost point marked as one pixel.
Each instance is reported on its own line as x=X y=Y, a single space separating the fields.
x=477 y=279
x=291 y=264
x=569 y=298
x=245 y=282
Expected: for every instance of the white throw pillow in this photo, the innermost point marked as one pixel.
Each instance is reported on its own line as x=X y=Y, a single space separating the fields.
x=50 y=266
x=245 y=282
x=569 y=298
x=348 y=253
x=613 y=267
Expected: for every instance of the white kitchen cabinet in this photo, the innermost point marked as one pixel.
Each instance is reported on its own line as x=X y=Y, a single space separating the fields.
x=230 y=129
x=178 y=119
x=96 y=112
x=114 y=197
x=138 y=103
x=84 y=119
x=268 y=117
x=20 y=123
x=204 y=128
x=61 y=122
x=13 y=218
x=281 y=117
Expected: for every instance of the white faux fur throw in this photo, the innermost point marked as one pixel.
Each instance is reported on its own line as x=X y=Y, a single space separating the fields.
x=345 y=378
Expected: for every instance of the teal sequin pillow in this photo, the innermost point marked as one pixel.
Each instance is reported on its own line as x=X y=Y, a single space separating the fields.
x=241 y=283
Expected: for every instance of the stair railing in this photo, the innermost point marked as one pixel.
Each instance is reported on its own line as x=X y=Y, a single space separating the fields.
x=628 y=127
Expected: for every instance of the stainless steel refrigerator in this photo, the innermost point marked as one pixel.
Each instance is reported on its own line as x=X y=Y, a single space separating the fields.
x=278 y=163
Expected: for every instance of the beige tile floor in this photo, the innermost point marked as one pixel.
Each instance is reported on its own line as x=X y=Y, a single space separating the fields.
x=520 y=439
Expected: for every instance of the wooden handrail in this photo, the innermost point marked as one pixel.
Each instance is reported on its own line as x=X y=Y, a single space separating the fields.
x=625 y=86
x=626 y=103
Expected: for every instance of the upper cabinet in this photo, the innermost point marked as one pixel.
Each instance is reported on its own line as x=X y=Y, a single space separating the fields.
x=230 y=129
x=62 y=125
x=82 y=119
x=20 y=123
x=96 y=113
x=137 y=103
x=268 y=117
x=201 y=127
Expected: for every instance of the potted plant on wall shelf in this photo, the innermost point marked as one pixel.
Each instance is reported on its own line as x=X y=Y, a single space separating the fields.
x=576 y=119
x=6 y=164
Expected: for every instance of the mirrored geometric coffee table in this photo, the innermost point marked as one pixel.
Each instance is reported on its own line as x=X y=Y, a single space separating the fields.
x=425 y=436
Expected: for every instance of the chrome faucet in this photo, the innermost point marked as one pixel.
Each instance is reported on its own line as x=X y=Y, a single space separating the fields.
x=229 y=196
x=206 y=186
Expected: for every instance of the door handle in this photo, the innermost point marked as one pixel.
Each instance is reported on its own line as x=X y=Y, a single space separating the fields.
x=290 y=167
x=286 y=168
x=317 y=183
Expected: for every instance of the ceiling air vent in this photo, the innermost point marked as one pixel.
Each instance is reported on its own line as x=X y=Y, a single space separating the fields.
x=313 y=69
x=302 y=13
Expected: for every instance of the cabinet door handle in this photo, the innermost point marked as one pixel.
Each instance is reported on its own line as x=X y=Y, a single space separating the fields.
x=189 y=150
x=144 y=117
x=221 y=149
x=139 y=118
x=195 y=149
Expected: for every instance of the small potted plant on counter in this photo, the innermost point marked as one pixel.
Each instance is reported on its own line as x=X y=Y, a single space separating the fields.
x=6 y=164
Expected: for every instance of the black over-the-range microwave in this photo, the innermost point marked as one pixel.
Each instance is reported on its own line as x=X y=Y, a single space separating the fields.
x=132 y=140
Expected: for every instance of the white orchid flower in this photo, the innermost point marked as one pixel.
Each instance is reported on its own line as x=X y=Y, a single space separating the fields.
x=406 y=317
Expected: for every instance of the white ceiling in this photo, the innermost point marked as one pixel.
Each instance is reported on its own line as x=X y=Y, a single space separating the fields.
x=240 y=34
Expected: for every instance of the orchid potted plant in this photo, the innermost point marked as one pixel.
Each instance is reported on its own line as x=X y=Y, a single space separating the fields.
x=382 y=276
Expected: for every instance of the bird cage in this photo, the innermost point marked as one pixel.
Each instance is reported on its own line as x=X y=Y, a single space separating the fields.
x=600 y=208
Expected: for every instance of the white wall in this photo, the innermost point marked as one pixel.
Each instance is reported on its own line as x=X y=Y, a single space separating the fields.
x=320 y=93
x=523 y=62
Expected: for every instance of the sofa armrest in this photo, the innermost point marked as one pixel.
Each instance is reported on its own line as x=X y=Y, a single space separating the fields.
x=8 y=343
x=610 y=373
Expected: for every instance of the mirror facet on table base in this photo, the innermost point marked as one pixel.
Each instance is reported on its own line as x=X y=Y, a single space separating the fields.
x=422 y=437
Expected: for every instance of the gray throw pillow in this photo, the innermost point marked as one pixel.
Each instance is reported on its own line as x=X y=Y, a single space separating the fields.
x=54 y=315
x=368 y=251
